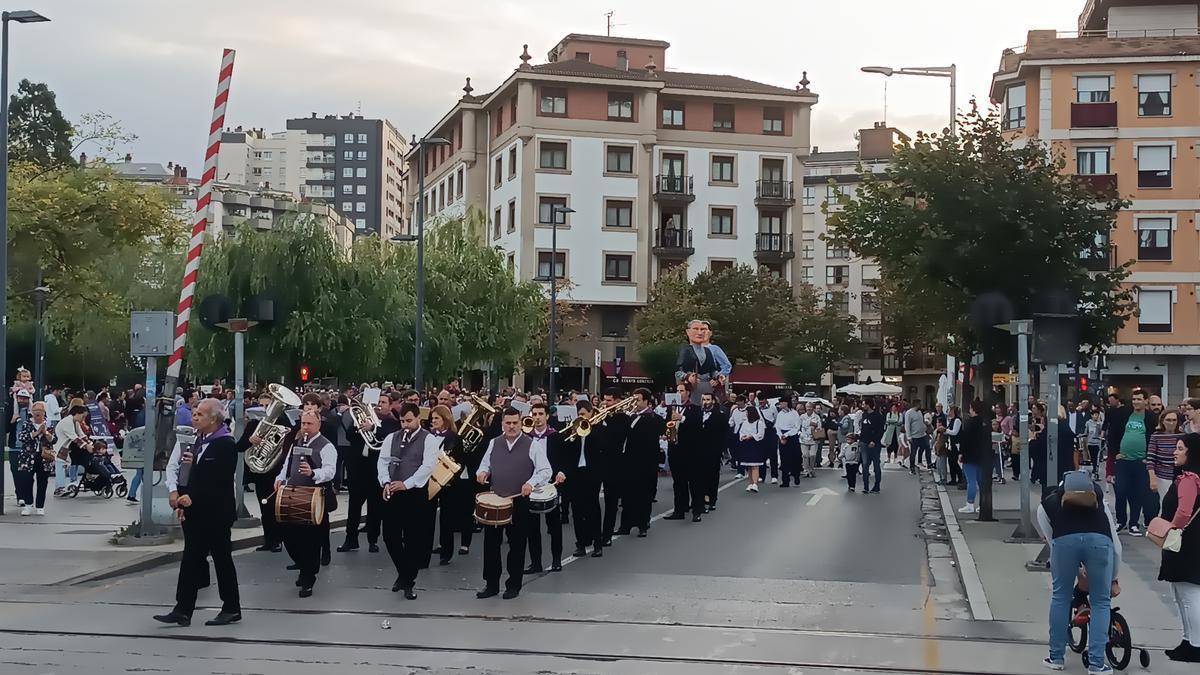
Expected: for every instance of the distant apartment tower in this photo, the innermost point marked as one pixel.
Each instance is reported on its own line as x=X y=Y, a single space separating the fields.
x=661 y=167
x=1119 y=100
x=354 y=164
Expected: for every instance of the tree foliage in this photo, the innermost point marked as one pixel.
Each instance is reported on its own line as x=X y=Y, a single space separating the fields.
x=38 y=132
x=964 y=215
x=658 y=361
x=801 y=368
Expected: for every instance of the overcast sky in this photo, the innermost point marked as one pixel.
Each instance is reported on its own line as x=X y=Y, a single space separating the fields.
x=152 y=64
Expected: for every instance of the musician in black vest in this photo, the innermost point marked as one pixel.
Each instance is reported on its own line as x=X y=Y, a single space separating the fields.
x=311 y=462
x=581 y=460
x=361 y=463
x=641 y=463
x=513 y=465
x=688 y=461
x=263 y=482
x=200 y=486
x=403 y=470
x=551 y=441
x=610 y=436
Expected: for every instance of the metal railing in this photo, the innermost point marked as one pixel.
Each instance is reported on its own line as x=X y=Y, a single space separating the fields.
x=770 y=242
x=1132 y=33
x=774 y=189
x=673 y=185
x=673 y=238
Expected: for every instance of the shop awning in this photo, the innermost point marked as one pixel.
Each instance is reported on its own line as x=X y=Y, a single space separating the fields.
x=630 y=372
x=757 y=376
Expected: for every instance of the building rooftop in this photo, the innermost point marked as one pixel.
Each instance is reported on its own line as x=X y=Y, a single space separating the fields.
x=836 y=156
x=141 y=170
x=671 y=78
x=615 y=40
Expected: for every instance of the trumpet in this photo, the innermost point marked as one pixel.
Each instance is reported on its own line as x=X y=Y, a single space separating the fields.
x=582 y=427
x=527 y=424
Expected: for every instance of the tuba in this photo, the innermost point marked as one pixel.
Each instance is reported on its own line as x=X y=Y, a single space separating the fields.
x=473 y=429
x=262 y=457
x=366 y=421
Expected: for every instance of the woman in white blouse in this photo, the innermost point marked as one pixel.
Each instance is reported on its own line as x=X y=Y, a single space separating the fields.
x=70 y=428
x=752 y=451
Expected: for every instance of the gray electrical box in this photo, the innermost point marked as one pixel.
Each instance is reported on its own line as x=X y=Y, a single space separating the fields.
x=151 y=333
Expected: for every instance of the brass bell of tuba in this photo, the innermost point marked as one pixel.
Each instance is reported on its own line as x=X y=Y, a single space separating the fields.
x=366 y=422
x=472 y=430
x=263 y=457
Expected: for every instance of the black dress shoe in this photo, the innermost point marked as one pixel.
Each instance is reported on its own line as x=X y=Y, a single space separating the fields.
x=580 y=552
x=607 y=541
x=397 y=586
x=175 y=618
x=675 y=516
x=556 y=566
x=348 y=546
x=625 y=530
x=325 y=558
x=487 y=593
x=464 y=550
x=299 y=582
x=292 y=568
x=711 y=507
x=534 y=570
x=373 y=547
x=410 y=594
x=276 y=548
x=265 y=547
x=696 y=518
x=224 y=619
x=509 y=595
x=598 y=552
x=306 y=591
x=642 y=532
x=444 y=561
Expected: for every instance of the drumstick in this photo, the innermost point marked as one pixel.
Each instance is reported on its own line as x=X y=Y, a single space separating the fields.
x=267 y=499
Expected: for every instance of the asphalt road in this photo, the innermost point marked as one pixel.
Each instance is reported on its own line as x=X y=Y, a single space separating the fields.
x=778 y=581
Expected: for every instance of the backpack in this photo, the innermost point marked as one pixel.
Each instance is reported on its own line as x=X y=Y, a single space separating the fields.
x=1079 y=491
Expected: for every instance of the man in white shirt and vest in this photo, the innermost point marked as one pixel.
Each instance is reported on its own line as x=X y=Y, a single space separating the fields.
x=311 y=462
x=405 y=464
x=514 y=466
x=788 y=423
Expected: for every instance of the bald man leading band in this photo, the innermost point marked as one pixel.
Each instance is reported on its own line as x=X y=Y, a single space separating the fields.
x=311 y=462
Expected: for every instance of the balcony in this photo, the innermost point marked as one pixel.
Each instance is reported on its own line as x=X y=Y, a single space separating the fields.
x=320 y=160
x=673 y=243
x=674 y=189
x=1093 y=115
x=1099 y=183
x=774 y=193
x=1099 y=260
x=771 y=247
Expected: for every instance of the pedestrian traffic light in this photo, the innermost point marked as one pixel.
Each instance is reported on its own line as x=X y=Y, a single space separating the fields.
x=1083 y=384
x=304 y=374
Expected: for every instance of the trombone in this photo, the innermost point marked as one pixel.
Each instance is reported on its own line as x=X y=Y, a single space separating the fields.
x=582 y=427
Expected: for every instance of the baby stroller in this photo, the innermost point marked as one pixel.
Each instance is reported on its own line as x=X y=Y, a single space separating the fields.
x=100 y=476
x=1120 y=641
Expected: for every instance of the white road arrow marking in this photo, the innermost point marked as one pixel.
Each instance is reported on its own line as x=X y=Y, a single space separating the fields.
x=817 y=494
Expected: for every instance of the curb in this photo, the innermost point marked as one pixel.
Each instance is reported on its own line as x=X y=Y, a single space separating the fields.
x=967 y=572
x=152 y=560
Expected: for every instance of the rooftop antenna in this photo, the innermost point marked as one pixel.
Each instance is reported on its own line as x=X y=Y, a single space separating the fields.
x=359 y=106
x=608 y=24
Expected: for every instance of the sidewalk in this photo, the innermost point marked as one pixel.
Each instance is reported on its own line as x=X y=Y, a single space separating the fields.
x=72 y=542
x=1016 y=595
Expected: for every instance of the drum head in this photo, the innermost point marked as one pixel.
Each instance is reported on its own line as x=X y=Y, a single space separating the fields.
x=284 y=395
x=545 y=493
x=492 y=499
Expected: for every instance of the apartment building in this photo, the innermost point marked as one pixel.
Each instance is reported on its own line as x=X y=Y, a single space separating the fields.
x=1119 y=99
x=354 y=164
x=660 y=167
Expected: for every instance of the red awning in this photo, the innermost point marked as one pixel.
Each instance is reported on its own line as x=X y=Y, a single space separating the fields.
x=631 y=371
x=760 y=376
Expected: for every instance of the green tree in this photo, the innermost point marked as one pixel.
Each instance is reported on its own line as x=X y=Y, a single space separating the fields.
x=38 y=132
x=821 y=331
x=802 y=368
x=960 y=216
x=658 y=361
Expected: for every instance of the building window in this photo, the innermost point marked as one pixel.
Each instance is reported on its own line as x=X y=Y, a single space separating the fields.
x=1092 y=161
x=618 y=213
x=348 y=138
x=770 y=223
x=837 y=275
x=1154 y=238
x=1092 y=89
x=614 y=321
x=347 y=155
x=512 y=264
x=362 y=155
x=458 y=192
x=560 y=265
x=872 y=332
x=348 y=207
x=512 y=216
x=512 y=162
x=1154 y=166
x=718 y=266
x=720 y=222
x=1154 y=95
x=499 y=121
x=583 y=56
x=362 y=138
x=499 y=171
x=360 y=172
x=620 y=105
x=360 y=189
x=360 y=223
x=722 y=117
x=806 y=274
x=1154 y=310
x=554 y=102
x=547 y=214
x=618 y=268
x=838 y=300
x=810 y=195
x=722 y=169
x=807 y=250
x=347 y=189
x=1014 y=108
x=360 y=207
x=619 y=159
x=496 y=224
x=772 y=120
x=347 y=172
x=672 y=114
x=553 y=156
x=837 y=253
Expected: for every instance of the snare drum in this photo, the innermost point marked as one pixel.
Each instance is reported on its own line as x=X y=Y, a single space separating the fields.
x=544 y=499
x=300 y=505
x=492 y=509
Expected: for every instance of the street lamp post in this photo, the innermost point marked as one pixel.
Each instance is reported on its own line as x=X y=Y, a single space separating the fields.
x=419 y=334
x=950 y=71
x=557 y=211
x=20 y=16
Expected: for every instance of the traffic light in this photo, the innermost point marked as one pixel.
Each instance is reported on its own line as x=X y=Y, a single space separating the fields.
x=1083 y=384
x=304 y=374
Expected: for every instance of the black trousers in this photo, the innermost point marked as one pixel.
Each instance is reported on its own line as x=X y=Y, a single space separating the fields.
x=792 y=460
x=712 y=475
x=614 y=491
x=585 y=495
x=771 y=440
x=686 y=480
x=24 y=483
x=493 y=537
x=456 y=515
x=303 y=544
x=564 y=506
x=956 y=475
x=404 y=525
x=553 y=528
x=264 y=486
x=200 y=540
x=369 y=494
x=637 y=502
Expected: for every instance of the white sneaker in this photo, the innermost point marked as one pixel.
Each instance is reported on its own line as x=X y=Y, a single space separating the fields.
x=969 y=508
x=774 y=480
x=749 y=488
x=27 y=510
x=41 y=512
x=754 y=488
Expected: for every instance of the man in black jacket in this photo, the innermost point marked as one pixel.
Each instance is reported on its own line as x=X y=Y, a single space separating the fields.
x=641 y=464
x=583 y=464
x=688 y=461
x=200 y=485
x=871 y=439
x=361 y=462
x=612 y=433
x=263 y=483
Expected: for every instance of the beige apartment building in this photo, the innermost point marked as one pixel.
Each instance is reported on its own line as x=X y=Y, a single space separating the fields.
x=1120 y=100
x=661 y=167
